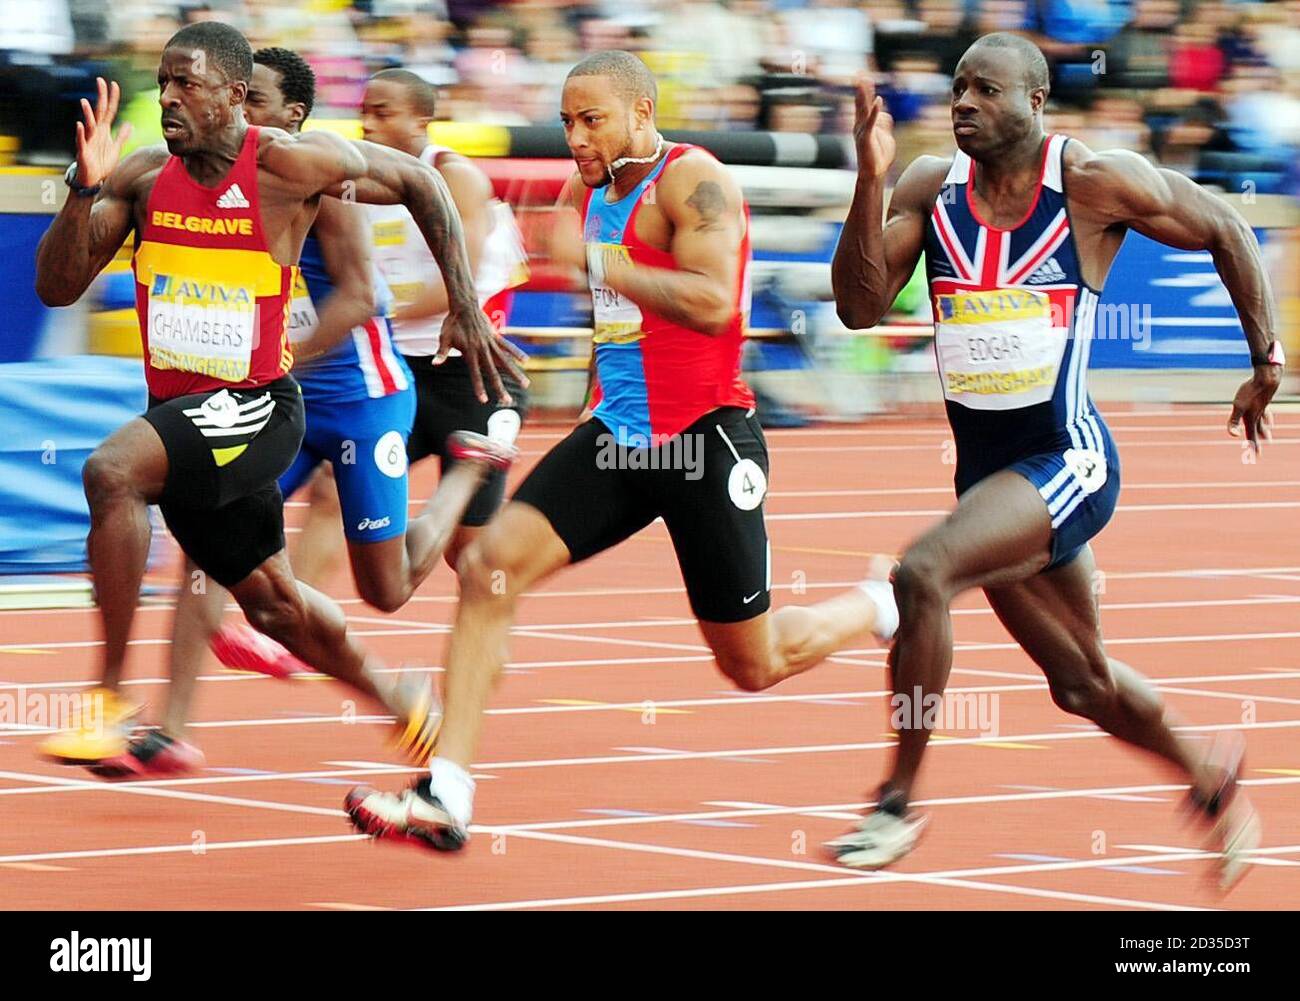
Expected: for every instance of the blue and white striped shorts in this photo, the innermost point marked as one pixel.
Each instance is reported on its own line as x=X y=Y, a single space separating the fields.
x=1080 y=486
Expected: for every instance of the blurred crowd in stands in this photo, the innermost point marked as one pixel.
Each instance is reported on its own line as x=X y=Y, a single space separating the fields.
x=1211 y=88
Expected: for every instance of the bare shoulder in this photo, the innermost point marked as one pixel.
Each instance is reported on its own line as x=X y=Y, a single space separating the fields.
x=1112 y=186
x=140 y=165
x=272 y=141
x=698 y=173
x=463 y=174
x=574 y=192
x=920 y=183
x=1089 y=172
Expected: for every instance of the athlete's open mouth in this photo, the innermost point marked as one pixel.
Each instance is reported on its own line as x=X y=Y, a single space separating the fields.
x=171 y=128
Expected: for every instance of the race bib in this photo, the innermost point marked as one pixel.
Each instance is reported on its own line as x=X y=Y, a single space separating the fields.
x=302 y=312
x=201 y=326
x=617 y=320
x=998 y=349
x=1088 y=467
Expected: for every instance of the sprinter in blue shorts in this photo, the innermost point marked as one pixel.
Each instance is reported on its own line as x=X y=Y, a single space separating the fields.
x=1019 y=229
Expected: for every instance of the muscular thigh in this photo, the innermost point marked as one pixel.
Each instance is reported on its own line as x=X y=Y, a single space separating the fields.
x=713 y=509
x=1000 y=533
x=590 y=503
x=1054 y=618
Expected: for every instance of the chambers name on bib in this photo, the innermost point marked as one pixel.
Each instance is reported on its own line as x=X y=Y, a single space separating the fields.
x=201 y=326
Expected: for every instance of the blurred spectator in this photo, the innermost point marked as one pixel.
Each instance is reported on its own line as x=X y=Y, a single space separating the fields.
x=1197 y=62
x=831 y=35
x=1078 y=22
x=1139 y=55
x=1262 y=115
x=941 y=33
x=1213 y=85
x=1117 y=123
x=32 y=27
x=1275 y=32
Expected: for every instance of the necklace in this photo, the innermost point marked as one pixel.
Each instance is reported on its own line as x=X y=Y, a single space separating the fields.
x=625 y=161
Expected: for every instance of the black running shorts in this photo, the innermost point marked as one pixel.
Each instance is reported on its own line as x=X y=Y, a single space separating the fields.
x=225 y=451
x=707 y=484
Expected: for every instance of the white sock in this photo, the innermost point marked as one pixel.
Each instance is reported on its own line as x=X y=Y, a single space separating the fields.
x=454 y=787
x=881 y=593
x=503 y=426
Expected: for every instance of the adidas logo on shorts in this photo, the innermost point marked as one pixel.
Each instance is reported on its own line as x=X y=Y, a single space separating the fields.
x=1048 y=271
x=232 y=198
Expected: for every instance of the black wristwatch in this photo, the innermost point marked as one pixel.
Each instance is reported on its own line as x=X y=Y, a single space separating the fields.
x=1273 y=356
x=70 y=179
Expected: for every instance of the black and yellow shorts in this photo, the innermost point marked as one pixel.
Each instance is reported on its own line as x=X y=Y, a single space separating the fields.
x=225 y=451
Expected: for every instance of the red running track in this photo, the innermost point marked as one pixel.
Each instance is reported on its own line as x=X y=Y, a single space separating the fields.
x=619 y=769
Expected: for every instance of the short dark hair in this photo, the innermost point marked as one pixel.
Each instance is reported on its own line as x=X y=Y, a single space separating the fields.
x=297 y=79
x=1037 y=76
x=632 y=78
x=229 y=49
x=423 y=95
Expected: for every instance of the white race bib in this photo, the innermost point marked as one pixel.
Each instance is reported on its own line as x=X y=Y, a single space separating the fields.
x=998 y=349
x=201 y=326
x=617 y=318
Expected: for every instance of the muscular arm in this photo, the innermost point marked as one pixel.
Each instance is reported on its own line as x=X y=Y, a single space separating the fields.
x=565 y=248
x=321 y=162
x=703 y=204
x=1119 y=188
x=87 y=232
x=471 y=192
x=345 y=250
x=872 y=261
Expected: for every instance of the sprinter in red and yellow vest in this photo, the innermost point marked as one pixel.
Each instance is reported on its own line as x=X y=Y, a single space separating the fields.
x=219 y=214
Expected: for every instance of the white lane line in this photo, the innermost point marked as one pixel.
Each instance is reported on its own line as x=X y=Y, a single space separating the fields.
x=1192 y=573
x=1110 y=641
x=879 y=878
x=136 y=789
x=191 y=847
x=668 y=622
x=530 y=631
x=943 y=512
x=669 y=755
x=533 y=630
x=1124 y=445
x=1166 y=849
x=948 y=490
x=734 y=698
x=853 y=811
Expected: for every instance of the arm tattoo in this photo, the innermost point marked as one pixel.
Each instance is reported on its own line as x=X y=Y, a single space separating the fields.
x=709 y=201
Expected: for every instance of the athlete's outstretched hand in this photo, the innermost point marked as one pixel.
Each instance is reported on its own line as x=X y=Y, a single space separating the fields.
x=873 y=129
x=97 y=150
x=470 y=333
x=1250 y=406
